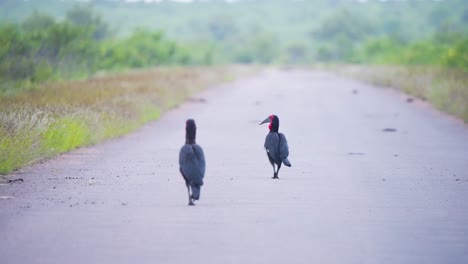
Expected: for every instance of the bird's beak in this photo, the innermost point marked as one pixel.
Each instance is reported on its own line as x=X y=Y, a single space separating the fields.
x=267 y=120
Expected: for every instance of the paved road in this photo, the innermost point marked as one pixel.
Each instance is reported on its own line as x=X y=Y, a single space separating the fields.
x=355 y=193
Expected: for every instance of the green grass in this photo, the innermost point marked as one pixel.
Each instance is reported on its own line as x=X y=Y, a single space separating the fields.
x=60 y=117
x=446 y=89
x=66 y=134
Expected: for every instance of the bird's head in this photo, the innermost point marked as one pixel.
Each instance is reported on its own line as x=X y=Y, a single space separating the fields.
x=190 y=131
x=273 y=121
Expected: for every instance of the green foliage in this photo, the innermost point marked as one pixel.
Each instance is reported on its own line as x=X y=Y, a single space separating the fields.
x=15 y=149
x=274 y=31
x=142 y=49
x=41 y=49
x=344 y=24
x=222 y=27
x=443 y=49
x=457 y=55
x=62 y=116
x=378 y=51
x=84 y=16
x=37 y=22
x=65 y=134
x=77 y=41
x=296 y=53
x=261 y=49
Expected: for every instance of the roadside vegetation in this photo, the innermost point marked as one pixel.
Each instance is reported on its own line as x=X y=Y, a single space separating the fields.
x=151 y=56
x=445 y=88
x=59 y=117
x=434 y=69
x=50 y=102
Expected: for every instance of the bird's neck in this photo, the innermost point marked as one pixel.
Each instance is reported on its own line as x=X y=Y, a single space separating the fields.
x=274 y=127
x=190 y=135
x=190 y=141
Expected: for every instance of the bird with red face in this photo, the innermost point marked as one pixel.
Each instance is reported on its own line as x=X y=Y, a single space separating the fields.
x=276 y=145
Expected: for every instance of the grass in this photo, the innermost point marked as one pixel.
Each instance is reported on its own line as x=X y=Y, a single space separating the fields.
x=59 y=117
x=446 y=89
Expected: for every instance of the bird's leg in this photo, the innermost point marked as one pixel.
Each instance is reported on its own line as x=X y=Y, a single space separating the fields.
x=190 y=202
x=277 y=171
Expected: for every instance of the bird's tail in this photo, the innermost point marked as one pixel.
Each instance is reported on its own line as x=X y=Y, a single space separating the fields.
x=286 y=162
x=196 y=191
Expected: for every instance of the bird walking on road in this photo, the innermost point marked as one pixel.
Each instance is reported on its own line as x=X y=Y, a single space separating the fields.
x=192 y=162
x=276 y=145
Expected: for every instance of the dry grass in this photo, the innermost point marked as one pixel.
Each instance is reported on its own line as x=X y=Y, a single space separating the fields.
x=446 y=89
x=59 y=117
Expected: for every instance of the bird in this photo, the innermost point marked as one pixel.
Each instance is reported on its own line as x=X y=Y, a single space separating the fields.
x=192 y=162
x=276 y=145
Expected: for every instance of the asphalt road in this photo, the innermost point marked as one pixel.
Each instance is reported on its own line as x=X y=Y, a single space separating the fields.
x=374 y=179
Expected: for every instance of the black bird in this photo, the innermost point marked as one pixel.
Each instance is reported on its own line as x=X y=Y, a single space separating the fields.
x=192 y=162
x=276 y=145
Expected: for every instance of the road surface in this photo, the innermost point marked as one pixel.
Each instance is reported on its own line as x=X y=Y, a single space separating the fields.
x=374 y=179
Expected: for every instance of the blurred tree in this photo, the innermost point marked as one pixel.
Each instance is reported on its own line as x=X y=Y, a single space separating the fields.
x=457 y=55
x=344 y=24
x=464 y=16
x=340 y=34
x=15 y=54
x=84 y=16
x=265 y=49
x=439 y=16
x=296 y=53
x=37 y=22
x=221 y=27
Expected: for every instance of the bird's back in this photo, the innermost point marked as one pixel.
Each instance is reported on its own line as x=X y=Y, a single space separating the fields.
x=192 y=163
x=276 y=146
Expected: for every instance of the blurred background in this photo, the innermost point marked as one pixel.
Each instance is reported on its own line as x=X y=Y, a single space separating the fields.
x=49 y=38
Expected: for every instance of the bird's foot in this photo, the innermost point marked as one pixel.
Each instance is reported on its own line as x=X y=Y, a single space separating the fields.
x=275 y=176
x=191 y=203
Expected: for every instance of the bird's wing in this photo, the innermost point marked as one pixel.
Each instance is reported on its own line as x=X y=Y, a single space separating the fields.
x=271 y=146
x=283 y=146
x=200 y=156
x=190 y=165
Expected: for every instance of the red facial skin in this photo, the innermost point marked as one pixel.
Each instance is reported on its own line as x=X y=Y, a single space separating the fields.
x=271 y=120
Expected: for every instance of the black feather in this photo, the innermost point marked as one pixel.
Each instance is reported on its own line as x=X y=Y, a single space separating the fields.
x=192 y=162
x=276 y=146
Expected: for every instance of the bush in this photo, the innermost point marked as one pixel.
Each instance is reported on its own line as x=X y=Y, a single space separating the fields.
x=450 y=50
x=41 y=49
